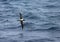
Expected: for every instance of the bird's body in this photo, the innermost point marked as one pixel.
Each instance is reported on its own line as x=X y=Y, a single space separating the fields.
x=21 y=19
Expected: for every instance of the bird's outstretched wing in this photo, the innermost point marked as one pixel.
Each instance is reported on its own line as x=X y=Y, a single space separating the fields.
x=20 y=16
x=22 y=24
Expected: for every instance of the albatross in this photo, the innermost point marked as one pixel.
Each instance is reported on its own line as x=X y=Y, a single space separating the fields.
x=21 y=21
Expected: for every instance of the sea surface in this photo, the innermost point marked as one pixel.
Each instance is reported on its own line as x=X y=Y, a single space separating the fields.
x=42 y=20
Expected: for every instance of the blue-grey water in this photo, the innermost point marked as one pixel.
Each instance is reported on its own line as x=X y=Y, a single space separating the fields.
x=42 y=21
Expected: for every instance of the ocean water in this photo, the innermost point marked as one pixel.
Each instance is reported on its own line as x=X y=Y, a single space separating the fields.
x=42 y=20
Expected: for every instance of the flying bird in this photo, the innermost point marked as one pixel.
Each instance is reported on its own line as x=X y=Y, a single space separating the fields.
x=21 y=21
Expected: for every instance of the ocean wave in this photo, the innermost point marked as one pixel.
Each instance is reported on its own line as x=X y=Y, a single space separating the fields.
x=41 y=40
x=54 y=28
